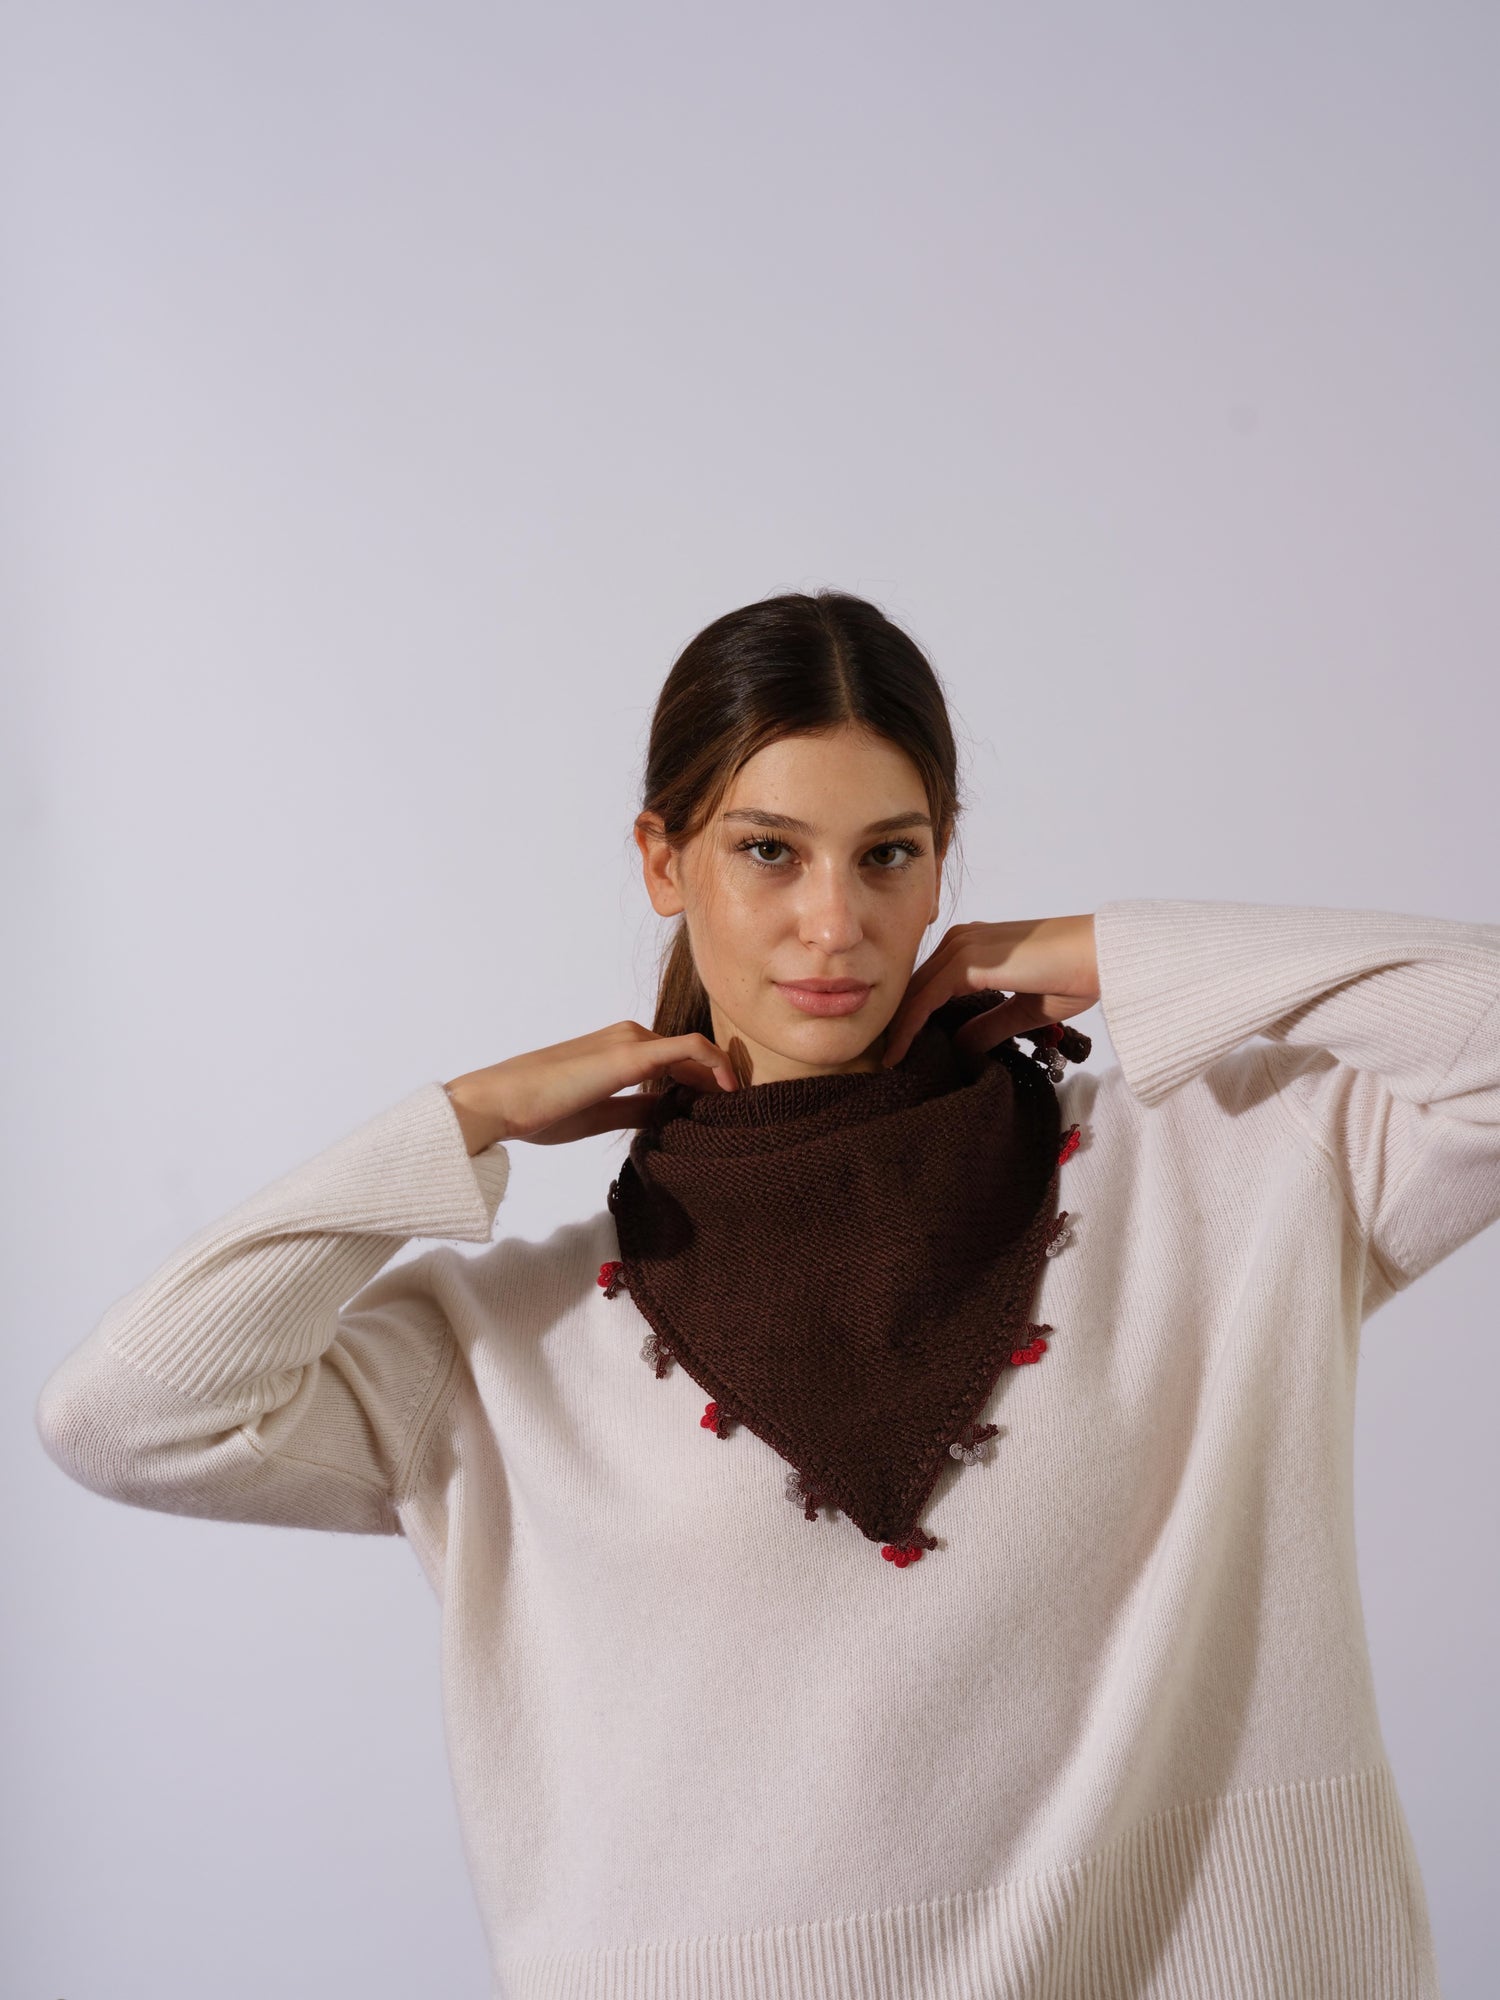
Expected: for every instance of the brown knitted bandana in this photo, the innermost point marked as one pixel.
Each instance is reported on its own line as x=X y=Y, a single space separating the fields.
x=845 y=1263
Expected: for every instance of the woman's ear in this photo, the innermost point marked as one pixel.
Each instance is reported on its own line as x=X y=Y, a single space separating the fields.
x=659 y=864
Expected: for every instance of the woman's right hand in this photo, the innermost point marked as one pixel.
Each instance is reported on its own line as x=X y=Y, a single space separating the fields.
x=567 y=1090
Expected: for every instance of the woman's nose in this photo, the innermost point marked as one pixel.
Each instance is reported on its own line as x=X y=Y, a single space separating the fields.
x=829 y=917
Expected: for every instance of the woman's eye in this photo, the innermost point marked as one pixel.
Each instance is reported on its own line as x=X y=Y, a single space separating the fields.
x=898 y=854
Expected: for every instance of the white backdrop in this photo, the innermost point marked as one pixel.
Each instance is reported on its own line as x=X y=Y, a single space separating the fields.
x=389 y=392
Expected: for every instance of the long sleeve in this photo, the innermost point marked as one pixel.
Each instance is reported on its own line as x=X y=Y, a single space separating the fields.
x=1381 y=1040
x=271 y=1370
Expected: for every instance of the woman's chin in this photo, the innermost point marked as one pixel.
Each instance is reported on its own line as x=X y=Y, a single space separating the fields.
x=833 y=1043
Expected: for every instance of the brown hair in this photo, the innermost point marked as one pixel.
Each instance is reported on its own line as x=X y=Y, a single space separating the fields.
x=785 y=666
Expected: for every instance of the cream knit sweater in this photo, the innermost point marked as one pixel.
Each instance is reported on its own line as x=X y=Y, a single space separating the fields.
x=1115 y=1736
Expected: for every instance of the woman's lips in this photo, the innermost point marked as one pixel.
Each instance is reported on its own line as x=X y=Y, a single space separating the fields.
x=824 y=996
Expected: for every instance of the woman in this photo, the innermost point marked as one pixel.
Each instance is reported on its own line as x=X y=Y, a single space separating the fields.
x=1052 y=1679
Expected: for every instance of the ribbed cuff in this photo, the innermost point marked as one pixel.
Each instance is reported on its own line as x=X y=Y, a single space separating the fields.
x=1183 y=982
x=260 y=1288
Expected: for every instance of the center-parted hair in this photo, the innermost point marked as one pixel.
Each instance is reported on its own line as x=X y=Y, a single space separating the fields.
x=785 y=666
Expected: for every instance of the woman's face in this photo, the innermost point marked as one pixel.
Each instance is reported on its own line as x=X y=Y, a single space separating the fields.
x=820 y=865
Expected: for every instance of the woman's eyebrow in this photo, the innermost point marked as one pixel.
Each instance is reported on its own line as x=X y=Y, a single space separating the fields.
x=790 y=825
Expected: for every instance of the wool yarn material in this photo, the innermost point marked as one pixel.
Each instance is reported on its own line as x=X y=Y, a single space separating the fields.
x=845 y=1263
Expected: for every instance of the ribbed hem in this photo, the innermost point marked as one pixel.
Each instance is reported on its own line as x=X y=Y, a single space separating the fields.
x=1303 y=1892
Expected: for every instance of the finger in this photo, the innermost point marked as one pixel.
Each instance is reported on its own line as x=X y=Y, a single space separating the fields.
x=625 y=1108
x=698 y=1076
x=610 y=1114
x=950 y=946
x=691 y=1059
x=630 y=1104
x=997 y=1024
x=929 y=987
x=1017 y=1016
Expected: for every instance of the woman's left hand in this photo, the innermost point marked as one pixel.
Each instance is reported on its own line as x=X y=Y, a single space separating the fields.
x=1046 y=964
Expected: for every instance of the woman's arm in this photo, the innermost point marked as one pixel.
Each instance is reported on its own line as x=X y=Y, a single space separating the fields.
x=1384 y=1045
x=237 y=1383
x=272 y=1370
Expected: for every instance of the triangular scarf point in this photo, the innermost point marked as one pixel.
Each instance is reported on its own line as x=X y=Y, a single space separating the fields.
x=846 y=1263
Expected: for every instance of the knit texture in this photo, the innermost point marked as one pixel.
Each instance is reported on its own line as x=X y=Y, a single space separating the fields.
x=1125 y=1747
x=845 y=1263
